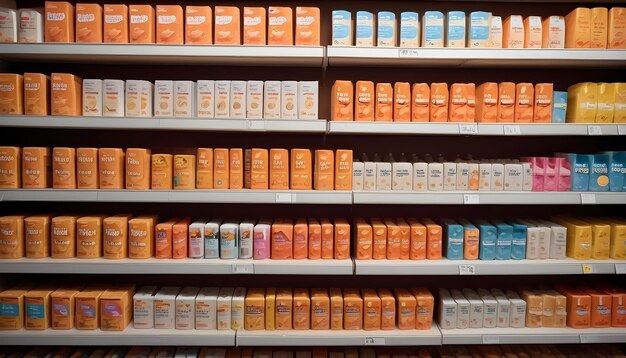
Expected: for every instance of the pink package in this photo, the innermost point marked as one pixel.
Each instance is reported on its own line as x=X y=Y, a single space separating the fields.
x=261 y=242
x=551 y=174
x=537 y=165
x=565 y=175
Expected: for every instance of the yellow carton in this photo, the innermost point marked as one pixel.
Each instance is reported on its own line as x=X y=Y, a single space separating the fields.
x=582 y=102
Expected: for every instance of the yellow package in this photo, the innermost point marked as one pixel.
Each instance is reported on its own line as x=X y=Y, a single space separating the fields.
x=579 y=239
x=582 y=103
x=606 y=103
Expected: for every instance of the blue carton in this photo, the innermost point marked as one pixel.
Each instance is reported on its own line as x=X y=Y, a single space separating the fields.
x=559 y=106
x=599 y=176
x=504 y=240
x=488 y=239
x=518 y=245
x=617 y=170
x=453 y=239
x=580 y=169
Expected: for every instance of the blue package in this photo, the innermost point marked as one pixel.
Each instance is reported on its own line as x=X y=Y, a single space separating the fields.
x=479 y=30
x=580 y=169
x=488 y=238
x=559 y=106
x=599 y=176
x=504 y=239
x=409 y=29
x=518 y=245
x=432 y=22
x=364 y=28
x=386 y=29
x=455 y=31
x=342 y=28
x=616 y=170
x=453 y=239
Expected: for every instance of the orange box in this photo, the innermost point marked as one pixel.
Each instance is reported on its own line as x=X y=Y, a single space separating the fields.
x=384 y=102
x=425 y=308
x=36 y=167
x=282 y=241
x=138 y=162
x=524 y=103
x=578 y=308
x=204 y=168
x=533 y=32
x=618 y=305
x=328 y=239
x=10 y=167
x=341 y=106
x=379 y=246
x=227 y=25
x=140 y=237
x=36 y=94
x=364 y=101
x=116 y=308
x=300 y=163
x=59 y=21
x=352 y=309
x=315 y=239
x=169 y=27
x=63 y=237
x=89 y=237
x=163 y=235
x=578 y=28
x=88 y=23
x=418 y=240
x=458 y=102
x=487 y=102
x=406 y=310
x=506 y=102
x=88 y=306
x=221 y=171
x=388 y=309
x=36 y=236
x=115 y=23
x=363 y=239
x=439 y=102
x=11 y=93
x=513 y=32
x=11 y=237
x=142 y=24
x=405 y=239
x=601 y=303
x=184 y=172
x=280 y=26
x=236 y=168
x=256 y=173
x=300 y=239
x=471 y=102
x=37 y=300
x=87 y=168
x=162 y=171
x=198 y=25
x=320 y=309
x=599 y=27
x=617 y=28
x=324 y=171
x=402 y=102
x=433 y=239
x=284 y=309
x=180 y=238
x=115 y=236
x=279 y=169
x=307 y=26
x=371 y=309
x=66 y=94
x=420 y=99
x=393 y=239
x=111 y=166
x=343 y=169
x=543 y=103
x=342 y=239
x=301 y=309
x=63 y=307
x=64 y=168
x=254 y=26
x=336 y=309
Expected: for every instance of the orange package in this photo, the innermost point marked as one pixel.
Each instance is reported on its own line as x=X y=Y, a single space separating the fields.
x=406 y=304
x=221 y=171
x=315 y=239
x=336 y=309
x=163 y=236
x=384 y=102
x=320 y=309
x=352 y=310
x=543 y=103
x=458 y=102
x=525 y=99
x=64 y=168
x=115 y=23
x=618 y=305
x=254 y=26
x=88 y=23
x=59 y=21
x=328 y=239
x=256 y=175
x=402 y=102
x=420 y=99
x=379 y=246
x=180 y=232
x=66 y=95
x=324 y=171
x=471 y=102
x=301 y=309
x=433 y=239
x=282 y=240
x=300 y=239
x=36 y=168
x=418 y=240
x=142 y=24
x=341 y=106
x=617 y=28
x=506 y=102
x=425 y=308
x=342 y=239
x=371 y=309
x=301 y=173
x=343 y=169
x=393 y=240
x=487 y=102
x=280 y=26
x=439 y=102
x=204 y=168
x=284 y=309
x=36 y=94
x=111 y=166
x=405 y=239
x=388 y=309
x=363 y=237
x=227 y=25
x=600 y=308
x=307 y=26
x=169 y=27
x=578 y=308
x=279 y=169
x=236 y=168
x=198 y=25
x=364 y=104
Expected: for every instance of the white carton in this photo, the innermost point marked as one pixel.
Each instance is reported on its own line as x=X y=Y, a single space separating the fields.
x=184 y=98
x=246 y=234
x=558 y=239
x=504 y=308
x=143 y=307
x=229 y=234
x=543 y=241
x=435 y=176
x=527 y=177
x=497 y=176
x=462 y=176
x=186 y=308
x=383 y=176
x=224 y=307
x=289 y=100
x=447 y=310
x=387 y=29
x=517 y=318
x=238 y=93
x=532 y=239
x=369 y=176
x=358 y=169
x=495 y=32
x=114 y=95
x=484 y=179
x=238 y=308
x=463 y=309
x=402 y=174
x=308 y=102
x=409 y=29
x=92 y=98
x=513 y=177
x=163 y=98
x=212 y=239
x=165 y=307
x=254 y=100
x=490 y=310
x=420 y=176
x=139 y=98
x=206 y=308
x=476 y=308
x=222 y=99
x=205 y=100
x=449 y=176
x=196 y=239
x=30 y=27
x=8 y=25
x=432 y=29
x=342 y=28
x=271 y=100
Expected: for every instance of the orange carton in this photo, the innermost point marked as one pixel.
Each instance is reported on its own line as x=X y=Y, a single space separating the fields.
x=184 y=172
x=282 y=241
x=379 y=248
x=578 y=28
x=307 y=26
x=402 y=102
x=323 y=173
x=405 y=239
x=254 y=26
x=13 y=300
x=439 y=102
x=342 y=239
x=471 y=102
x=363 y=238
x=279 y=169
x=37 y=303
x=300 y=239
x=89 y=237
x=227 y=25
x=578 y=308
x=617 y=28
x=115 y=237
x=384 y=102
x=11 y=237
x=221 y=171
x=88 y=23
x=420 y=99
x=300 y=163
x=513 y=32
x=315 y=239
x=140 y=237
x=371 y=309
x=487 y=102
x=116 y=308
x=66 y=94
x=394 y=239
x=342 y=107
x=138 y=162
x=301 y=309
x=458 y=102
x=599 y=24
x=418 y=240
x=336 y=309
x=256 y=174
x=406 y=309
x=533 y=34
x=87 y=307
x=111 y=166
x=180 y=232
x=63 y=237
x=601 y=303
x=424 y=309
x=163 y=235
x=284 y=309
x=388 y=309
x=433 y=239
x=87 y=168
x=364 y=101
x=343 y=169
x=59 y=21
x=524 y=103
x=506 y=102
x=11 y=94
x=37 y=236
x=543 y=103
x=169 y=28
x=328 y=239
x=204 y=168
x=36 y=171
x=618 y=305
x=352 y=309
x=63 y=307
x=236 y=168
x=115 y=23
x=280 y=26
x=320 y=309
x=142 y=25
x=36 y=94
x=198 y=25
x=161 y=168
x=64 y=168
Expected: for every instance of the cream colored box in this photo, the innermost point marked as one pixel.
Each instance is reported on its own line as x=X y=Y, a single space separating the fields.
x=447 y=310
x=449 y=176
x=484 y=176
x=490 y=310
x=462 y=309
x=205 y=101
x=184 y=98
x=365 y=29
x=254 y=100
x=369 y=176
x=497 y=176
x=222 y=99
x=462 y=176
x=30 y=27
x=308 y=94
x=383 y=176
x=163 y=98
x=8 y=25
x=495 y=32
x=513 y=176
x=289 y=100
x=113 y=96
x=238 y=308
x=504 y=308
x=387 y=29
x=206 y=308
x=143 y=307
x=92 y=98
x=553 y=32
x=138 y=98
x=238 y=99
x=165 y=307
x=527 y=177
x=271 y=100
x=476 y=308
x=435 y=176
x=358 y=169
x=186 y=308
x=224 y=306
x=517 y=318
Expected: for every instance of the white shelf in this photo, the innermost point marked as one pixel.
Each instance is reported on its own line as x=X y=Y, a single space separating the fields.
x=178 y=124
x=304 y=267
x=532 y=335
x=164 y=54
x=339 y=338
x=128 y=337
x=341 y=127
x=480 y=267
x=466 y=57
x=180 y=196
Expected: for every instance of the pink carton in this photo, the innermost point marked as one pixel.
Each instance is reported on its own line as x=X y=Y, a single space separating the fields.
x=551 y=174
x=565 y=175
x=261 y=241
x=537 y=165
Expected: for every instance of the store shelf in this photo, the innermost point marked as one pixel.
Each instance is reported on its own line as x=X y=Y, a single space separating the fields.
x=549 y=129
x=128 y=337
x=339 y=338
x=532 y=335
x=164 y=54
x=340 y=127
x=304 y=267
x=180 y=196
x=466 y=57
x=480 y=267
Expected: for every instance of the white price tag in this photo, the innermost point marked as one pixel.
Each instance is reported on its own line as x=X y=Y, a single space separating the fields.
x=257 y=125
x=621 y=129
x=587 y=338
x=374 y=341
x=407 y=53
x=620 y=269
x=468 y=128
x=588 y=268
x=512 y=130
x=283 y=197
x=587 y=198
x=467 y=270
x=594 y=130
x=243 y=268
x=471 y=199
x=491 y=339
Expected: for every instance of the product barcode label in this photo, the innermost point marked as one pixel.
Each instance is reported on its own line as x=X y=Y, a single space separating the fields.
x=512 y=130
x=468 y=128
x=407 y=53
x=594 y=130
x=467 y=270
x=620 y=269
x=587 y=198
x=283 y=197
x=588 y=268
x=471 y=199
x=243 y=268
x=491 y=339
x=374 y=341
x=255 y=125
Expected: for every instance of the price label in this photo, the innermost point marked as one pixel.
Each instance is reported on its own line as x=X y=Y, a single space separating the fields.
x=243 y=268
x=588 y=268
x=620 y=269
x=621 y=129
x=512 y=130
x=283 y=197
x=374 y=341
x=467 y=270
x=471 y=199
x=594 y=130
x=491 y=339
x=407 y=53
x=587 y=338
x=587 y=198
x=468 y=128
x=256 y=125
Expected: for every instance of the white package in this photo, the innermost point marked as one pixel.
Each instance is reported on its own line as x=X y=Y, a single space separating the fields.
x=224 y=307
x=497 y=176
x=558 y=239
x=463 y=309
x=138 y=98
x=484 y=179
x=30 y=27
x=289 y=100
x=462 y=176
x=254 y=100
x=383 y=176
x=527 y=177
x=447 y=310
x=143 y=307
x=504 y=308
x=435 y=176
x=308 y=102
x=184 y=98
x=358 y=169
x=402 y=174
x=206 y=308
x=222 y=99
x=490 y=310
x=165 y=307
x=196 y=239
x=513 y=177
x=114 y=98
x=449 y=176
x=186 y=308
x=369 y=176
x=476 y=308
x=205 y=99
x=518 y=310
x=238 y=308
x=212 y=239
x=246 y=234
x=420 y=176
x=163 y=98
x=8 y=25
x=271 y=100
x=238 y=99
x=92 y=98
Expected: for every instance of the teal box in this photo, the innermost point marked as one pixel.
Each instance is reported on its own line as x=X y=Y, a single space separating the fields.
x=433 y=27
x=518 y=244
x=580 y=170
x=479 y=26
x=453 y=239
x=488 y=239
x=599 y=176
x=504 y=240
x=617 y=170
x=341 y=28
x=559 y=106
